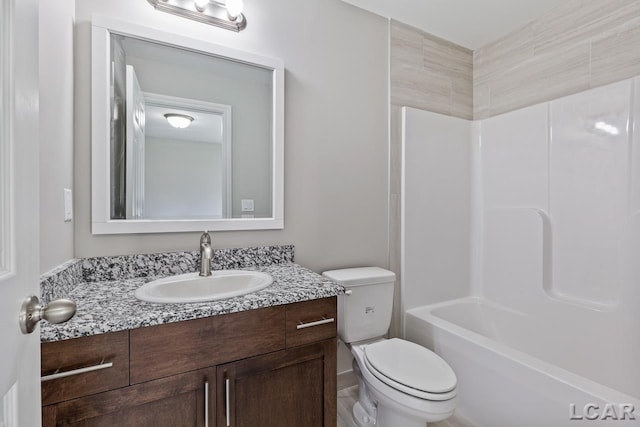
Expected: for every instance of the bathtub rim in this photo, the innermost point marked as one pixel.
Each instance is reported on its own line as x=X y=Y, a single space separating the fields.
x=571 y=379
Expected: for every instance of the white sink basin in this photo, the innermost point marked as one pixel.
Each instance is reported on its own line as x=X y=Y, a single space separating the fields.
x=191 y=287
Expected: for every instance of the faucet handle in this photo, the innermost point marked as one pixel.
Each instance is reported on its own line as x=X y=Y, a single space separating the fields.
x=205 y=238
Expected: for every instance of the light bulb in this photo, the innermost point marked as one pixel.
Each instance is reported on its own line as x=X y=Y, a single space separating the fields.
x=201 y=4
x=179 y=121
x=234 y=8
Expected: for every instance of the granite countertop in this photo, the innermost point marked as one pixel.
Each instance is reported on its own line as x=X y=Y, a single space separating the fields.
x=110 y=305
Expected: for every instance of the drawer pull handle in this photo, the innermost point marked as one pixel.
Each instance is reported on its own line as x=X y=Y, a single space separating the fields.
x=206 y=404
x=227 y=403
x=57 y=375
x=324 y=321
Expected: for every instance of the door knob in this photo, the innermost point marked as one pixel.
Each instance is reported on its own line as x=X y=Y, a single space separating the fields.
x=58 y=311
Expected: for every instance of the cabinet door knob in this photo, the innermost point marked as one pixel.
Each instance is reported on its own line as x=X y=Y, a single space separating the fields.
x=31 y=312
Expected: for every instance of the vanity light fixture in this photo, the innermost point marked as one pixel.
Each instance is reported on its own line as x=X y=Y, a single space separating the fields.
x=201 y=4
x=234 y=9
x=225 y=14
x=179 y=121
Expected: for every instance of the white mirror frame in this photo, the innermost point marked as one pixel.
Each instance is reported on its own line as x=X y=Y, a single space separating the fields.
x=102 y=223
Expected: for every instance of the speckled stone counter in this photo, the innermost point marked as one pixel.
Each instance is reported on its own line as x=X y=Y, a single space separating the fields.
x=104 y=289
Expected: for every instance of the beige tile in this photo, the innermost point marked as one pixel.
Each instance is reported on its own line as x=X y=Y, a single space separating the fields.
x=547 y=58
x=462 y=98
x=575 y=21
x=414 y=35
x=616 y=56
x=490 y=61
x=430 y=73
x=454 y=47
x=445 y=60
x=481 y=101
x=557 y=73
x=406 y=33
x=421 y=89
x=404 y=52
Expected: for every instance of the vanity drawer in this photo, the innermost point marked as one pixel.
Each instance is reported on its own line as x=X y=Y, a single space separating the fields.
x=163 y=350
x=82 y=366
x=311 y=321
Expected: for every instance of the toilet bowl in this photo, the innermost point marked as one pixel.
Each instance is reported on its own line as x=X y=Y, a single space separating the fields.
x=402 y=393
x=401 y=384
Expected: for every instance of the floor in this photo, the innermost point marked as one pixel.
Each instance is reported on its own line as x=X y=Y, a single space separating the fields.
x=347 y=398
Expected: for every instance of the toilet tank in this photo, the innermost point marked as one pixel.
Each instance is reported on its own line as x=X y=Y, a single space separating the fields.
x=364 y=312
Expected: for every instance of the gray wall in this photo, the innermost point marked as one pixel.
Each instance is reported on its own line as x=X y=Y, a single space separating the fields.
x=56 y=130
x=173 y=182
x=336 y=131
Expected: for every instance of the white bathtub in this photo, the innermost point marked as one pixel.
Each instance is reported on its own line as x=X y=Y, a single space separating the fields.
x=517 y=369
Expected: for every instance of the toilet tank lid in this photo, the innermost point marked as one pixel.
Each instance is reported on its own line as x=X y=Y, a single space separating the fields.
x=360 y=276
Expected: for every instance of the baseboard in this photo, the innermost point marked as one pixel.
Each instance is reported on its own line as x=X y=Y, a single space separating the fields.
x=346 y=379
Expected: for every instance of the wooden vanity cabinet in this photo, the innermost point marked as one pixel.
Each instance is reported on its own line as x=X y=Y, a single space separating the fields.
x=293 y=387
x=178 y=400
x=273 y=366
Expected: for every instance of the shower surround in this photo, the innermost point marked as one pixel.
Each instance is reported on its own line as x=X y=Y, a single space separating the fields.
x=521 y=256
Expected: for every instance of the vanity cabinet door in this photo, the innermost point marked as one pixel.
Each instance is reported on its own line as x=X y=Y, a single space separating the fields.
x=289 y=388
x=177 y=401
x=84 y=366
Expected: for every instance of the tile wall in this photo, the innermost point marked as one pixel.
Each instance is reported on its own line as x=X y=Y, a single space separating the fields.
x=579 y=45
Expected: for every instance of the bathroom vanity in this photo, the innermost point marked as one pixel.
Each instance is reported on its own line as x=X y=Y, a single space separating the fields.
x=243 y=369
x=266 y=359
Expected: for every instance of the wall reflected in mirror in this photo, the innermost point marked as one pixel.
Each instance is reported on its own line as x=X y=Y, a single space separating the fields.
x=205 y=167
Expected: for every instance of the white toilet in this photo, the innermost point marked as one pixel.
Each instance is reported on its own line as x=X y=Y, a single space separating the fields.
x=402 y=384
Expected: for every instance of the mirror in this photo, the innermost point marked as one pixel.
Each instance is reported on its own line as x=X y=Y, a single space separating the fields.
x=186 y=135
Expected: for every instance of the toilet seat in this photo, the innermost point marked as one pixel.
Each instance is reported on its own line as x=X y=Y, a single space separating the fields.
x=394 y=407
x=411 y=369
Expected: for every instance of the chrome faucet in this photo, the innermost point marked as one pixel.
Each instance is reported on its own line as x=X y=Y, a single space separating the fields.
x=206 y=254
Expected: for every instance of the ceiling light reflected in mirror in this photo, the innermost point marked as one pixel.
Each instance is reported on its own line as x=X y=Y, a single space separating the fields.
x=179 y=121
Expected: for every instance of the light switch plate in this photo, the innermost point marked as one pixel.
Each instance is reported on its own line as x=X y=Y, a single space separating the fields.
x=68 y=205
x=247 y=205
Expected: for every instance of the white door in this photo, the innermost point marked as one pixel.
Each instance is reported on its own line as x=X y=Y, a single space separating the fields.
x=135 y=145
x=19 y=234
